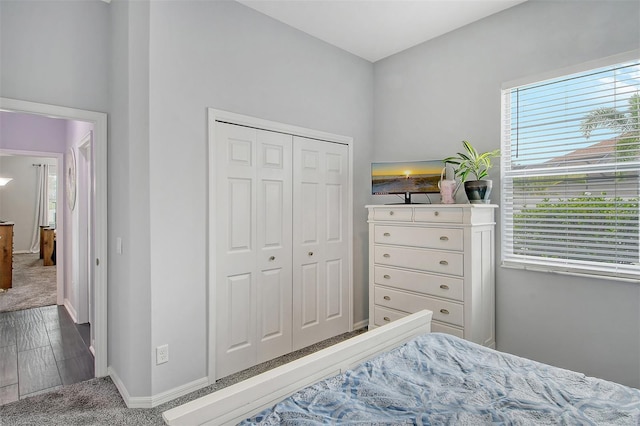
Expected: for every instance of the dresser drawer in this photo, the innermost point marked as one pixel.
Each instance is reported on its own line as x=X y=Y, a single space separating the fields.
x=384 y=316
x=391 y=214
x=443 y=262
x=444 y=311
x=438 y=215
x=428 y=284
x=437 y=238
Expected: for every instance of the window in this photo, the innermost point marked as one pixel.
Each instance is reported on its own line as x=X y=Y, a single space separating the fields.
x=570 y=173
x=52 y=182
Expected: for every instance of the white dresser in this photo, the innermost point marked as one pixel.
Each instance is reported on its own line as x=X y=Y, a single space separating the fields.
x=438 y=257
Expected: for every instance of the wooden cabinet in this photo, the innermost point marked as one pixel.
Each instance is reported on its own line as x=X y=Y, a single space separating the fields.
x=47 y=248
x=6 y=255
x=437 y=257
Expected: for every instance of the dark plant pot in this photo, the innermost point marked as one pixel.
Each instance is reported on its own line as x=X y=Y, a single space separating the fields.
x=478 y=191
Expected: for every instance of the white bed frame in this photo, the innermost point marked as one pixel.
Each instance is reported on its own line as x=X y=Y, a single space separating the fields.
x=235 y=403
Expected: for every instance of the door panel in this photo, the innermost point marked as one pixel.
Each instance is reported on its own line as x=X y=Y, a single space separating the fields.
x=240 y=330
x=309 y=217
x=274 y=243
x=335 y=286
x=240 y=226
x=320 y=300
x=253 y=243
x=310 y=295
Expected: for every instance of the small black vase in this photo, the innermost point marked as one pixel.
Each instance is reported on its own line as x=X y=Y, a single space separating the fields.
x=478 y=191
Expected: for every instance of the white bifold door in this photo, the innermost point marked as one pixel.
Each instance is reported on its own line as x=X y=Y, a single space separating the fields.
x=282 y=274
x=320 y=246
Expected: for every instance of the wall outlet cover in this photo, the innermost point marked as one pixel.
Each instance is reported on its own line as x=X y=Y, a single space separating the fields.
x=162 y=354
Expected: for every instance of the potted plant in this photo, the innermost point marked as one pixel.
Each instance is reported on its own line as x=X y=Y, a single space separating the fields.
x=472 y=163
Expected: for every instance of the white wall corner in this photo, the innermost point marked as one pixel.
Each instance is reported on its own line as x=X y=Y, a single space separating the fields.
x=361 y=324
x=130 y=401
x=72 y=312
x=179 y=391
x=155 y=400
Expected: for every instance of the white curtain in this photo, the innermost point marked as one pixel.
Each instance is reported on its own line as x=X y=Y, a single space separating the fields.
x=41 y=217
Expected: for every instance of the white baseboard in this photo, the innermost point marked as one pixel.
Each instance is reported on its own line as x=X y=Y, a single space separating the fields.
x=155 y=400
x=21 y=252
x=71 y=310
x=361 y=324
x=179 y=391
x=132 y=402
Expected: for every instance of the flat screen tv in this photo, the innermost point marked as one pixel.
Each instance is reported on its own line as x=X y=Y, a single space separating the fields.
x=406 y=178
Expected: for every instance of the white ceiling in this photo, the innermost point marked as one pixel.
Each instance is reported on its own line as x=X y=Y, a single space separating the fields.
x=375 y=29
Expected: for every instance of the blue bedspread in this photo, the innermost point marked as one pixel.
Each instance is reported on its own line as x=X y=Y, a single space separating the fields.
x=439 y=379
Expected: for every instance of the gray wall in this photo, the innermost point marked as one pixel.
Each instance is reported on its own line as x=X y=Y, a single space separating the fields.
x=429 y=98
x=55 y=52
x=223 y=55
x=130 y=304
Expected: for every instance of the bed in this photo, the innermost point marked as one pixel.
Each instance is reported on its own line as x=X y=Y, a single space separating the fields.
x=402 y=374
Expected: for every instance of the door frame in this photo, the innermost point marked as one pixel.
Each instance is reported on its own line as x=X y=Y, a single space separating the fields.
x=215 y=116
x=99 y=121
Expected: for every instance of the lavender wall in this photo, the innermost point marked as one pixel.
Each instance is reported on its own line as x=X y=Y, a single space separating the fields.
x=29 y=132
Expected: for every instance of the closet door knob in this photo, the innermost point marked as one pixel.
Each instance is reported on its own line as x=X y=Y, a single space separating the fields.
x=386 y=298
x=444 y=286
x=386 y=234
x=444 y=311
x=272 y=258
x=444 y=262
x=444 y=238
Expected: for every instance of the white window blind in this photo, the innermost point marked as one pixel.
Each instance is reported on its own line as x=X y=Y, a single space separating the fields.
x=570 y=173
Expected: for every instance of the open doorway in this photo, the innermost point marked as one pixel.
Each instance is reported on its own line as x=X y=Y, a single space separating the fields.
x=29 y=203
x=92 y=220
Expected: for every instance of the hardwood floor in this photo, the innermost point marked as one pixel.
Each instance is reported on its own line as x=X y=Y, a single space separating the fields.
x=41 y=349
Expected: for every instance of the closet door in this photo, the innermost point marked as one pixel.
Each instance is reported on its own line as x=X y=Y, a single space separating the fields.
x=253 y=245
x=320 y=247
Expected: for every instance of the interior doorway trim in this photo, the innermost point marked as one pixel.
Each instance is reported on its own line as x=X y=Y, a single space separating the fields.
x=99 y=121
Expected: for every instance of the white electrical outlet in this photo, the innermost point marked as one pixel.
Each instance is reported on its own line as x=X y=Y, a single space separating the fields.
x=162 y=354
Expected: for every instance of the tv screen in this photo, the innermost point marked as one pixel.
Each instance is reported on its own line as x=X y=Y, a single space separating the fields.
x=406 y=177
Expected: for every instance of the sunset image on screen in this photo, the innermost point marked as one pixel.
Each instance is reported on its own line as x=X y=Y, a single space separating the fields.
x=408 y=176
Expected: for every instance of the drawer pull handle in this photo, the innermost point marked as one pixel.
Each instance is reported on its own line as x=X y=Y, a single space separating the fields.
x=386 y=234
x=444 y=286
x=391 y=213
x=386 y=277
x=386 y=298
x=436 y=213
x=272 y=258
x=386 y=319
x=310 y=253
x=444 y=311
x=444 y=238
x=444 y=262
x=386 y=255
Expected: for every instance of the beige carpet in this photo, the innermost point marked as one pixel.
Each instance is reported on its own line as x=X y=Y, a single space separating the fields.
x=33 y=285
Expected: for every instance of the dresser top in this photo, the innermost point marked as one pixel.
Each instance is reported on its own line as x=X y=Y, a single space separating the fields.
x=6 y=223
